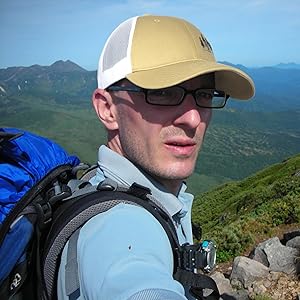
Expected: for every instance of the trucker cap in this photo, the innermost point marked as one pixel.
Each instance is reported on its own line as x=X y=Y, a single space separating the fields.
x=160 y=51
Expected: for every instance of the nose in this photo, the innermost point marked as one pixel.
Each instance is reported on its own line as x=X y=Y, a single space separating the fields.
x=191 y=115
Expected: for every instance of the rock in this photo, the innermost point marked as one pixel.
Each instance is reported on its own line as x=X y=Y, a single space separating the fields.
x=259 y=255
x=294 y=242
x=259 y=288
x=246 y=271
x=223 y=283
x=277 y=295
x=236 y=284
x=280 y=258
x=236 y=295
x=274 y=276
x=271 y=272
x=267 y=283
x=241 y=295
x=297 y=264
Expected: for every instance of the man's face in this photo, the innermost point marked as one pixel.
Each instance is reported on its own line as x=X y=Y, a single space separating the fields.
x=163 y=140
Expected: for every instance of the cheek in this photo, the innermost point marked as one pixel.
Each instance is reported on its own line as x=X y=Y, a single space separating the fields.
x=206 y=115
x=140 y=126
x=155 y=115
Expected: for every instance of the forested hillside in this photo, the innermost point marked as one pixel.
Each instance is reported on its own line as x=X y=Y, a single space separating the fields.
x=240 y=213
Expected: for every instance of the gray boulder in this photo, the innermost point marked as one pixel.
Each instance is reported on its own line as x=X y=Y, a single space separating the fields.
x=236 y=295
x=222 y=282
x=280 y=258
x=259 y=255
x=294 y=242
x=246 y=271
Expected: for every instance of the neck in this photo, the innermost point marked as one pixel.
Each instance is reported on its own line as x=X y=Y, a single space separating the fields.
x=173 y=188
x=171 y=185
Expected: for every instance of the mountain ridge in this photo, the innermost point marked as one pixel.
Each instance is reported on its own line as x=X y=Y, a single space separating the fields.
x=286 y=65
x=290 y=65
x=66 y=66
x=281 y=65
x=276 y=88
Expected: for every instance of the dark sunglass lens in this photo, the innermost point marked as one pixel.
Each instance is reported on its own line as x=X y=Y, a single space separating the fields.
x=168 y=96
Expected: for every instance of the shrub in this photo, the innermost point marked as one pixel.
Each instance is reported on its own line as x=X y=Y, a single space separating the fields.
x=286 y=210
x=232 y=241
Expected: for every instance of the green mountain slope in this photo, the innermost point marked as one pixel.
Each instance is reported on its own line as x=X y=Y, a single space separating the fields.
x=55 y=101
x=76 y=129
x=238 y=213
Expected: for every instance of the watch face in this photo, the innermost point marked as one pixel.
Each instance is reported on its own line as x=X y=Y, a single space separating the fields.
x=210 y=250
x=211 y=258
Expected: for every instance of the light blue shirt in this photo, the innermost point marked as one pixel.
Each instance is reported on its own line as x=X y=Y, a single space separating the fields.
x=124 y=253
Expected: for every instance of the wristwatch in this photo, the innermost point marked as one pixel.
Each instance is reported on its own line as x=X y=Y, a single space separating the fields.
x=208 y=255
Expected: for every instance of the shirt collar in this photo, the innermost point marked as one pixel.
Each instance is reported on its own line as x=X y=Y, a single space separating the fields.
x=120 y=169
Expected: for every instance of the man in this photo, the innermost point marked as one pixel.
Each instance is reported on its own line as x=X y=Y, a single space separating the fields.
x=158 y=83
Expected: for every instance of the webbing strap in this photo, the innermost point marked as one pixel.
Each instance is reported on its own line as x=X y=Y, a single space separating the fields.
x=198 y=282
x=71 y=270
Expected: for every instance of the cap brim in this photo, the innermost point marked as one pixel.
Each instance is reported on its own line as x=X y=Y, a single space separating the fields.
x=234 y=82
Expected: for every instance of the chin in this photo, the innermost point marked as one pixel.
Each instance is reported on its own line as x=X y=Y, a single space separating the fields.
x=179 y=174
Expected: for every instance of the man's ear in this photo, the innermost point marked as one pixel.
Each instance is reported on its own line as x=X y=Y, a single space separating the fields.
x=105 y=109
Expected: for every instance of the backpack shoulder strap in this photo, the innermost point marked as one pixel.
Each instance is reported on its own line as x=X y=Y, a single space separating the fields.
x=78 y=211
x=71 y=270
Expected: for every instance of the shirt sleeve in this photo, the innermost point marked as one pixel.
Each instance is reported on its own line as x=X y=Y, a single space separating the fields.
x=125 y=254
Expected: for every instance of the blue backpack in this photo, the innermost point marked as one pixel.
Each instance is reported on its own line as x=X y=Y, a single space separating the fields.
x=30 y=166
x=43 y=204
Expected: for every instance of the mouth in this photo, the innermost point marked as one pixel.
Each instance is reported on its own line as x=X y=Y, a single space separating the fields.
x=181 y=147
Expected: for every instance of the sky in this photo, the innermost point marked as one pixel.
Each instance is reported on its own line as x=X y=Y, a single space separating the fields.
x=253 y=33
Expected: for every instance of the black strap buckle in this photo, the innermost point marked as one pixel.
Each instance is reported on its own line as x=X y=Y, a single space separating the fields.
x=197 y=284
x=139 y=191
x=44 y=204
x=107 y=185
x=58 y=192
x=44 y=212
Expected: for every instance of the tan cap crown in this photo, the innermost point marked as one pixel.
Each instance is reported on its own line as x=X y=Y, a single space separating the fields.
x=164 y=51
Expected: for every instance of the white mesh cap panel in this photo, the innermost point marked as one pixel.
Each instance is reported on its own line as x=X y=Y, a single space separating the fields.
x=115 y=61
x=116 y=48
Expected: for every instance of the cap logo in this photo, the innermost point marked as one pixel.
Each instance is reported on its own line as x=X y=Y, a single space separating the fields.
x=205 y=43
